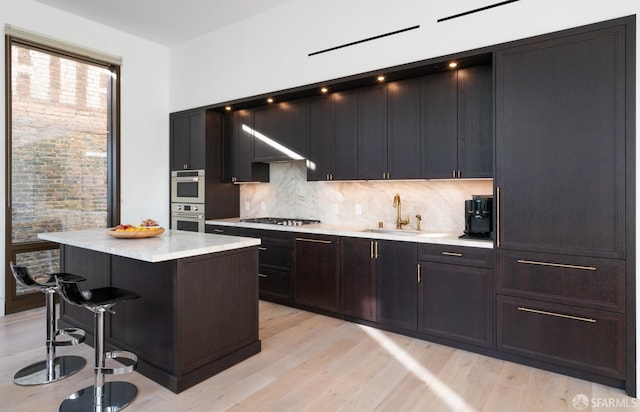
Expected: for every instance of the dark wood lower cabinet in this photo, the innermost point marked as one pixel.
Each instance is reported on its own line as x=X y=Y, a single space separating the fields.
x=317 y=272
x=396 y=284
x=456 y=302
x=583 y=339
x=358 y=276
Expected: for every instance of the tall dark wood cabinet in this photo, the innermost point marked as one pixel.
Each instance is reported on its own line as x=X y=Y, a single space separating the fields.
x=397 y=284
x=238 y=149
x=188 y=140
x=457 y=125
x=372 y=132
x=561 y=161
x=345 y=147
x=321 y=139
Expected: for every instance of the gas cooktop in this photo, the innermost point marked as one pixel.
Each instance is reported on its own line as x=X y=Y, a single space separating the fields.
x=285 y=221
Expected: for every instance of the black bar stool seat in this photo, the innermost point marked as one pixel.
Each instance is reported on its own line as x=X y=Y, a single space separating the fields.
x=52 y=368
x=102 y=396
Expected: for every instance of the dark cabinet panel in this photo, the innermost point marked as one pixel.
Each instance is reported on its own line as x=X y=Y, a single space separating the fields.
x=238 y=141
x=457 y=255
x=345 y=148
x=317 y=274
x=281 y=132
x=404 y=123
x=358 y=278
x=475 y=121
x=439 y=125
x=577 y=280
x=560 y=136
x=456 y=302
x=579 y=338
x=372 y=132
x=457 y=126
x=397 y=284
x=188 y=140
x=321 y=143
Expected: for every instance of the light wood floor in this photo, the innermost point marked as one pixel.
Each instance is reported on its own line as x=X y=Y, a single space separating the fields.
x=311 y=362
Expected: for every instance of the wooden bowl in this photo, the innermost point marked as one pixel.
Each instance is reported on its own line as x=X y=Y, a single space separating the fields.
x=135 y=234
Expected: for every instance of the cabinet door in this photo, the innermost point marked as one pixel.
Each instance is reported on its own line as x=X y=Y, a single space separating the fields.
x=456 y=302
x=320 y=164
x=560 y=137
x=439 y=125
x=180 y=141
x=475 y=122
x=239 y=166
x=316 y=272
x=345 y=148
x=396 y=284
x=403 y=122
x=358 y=278
x=198 y=140
x=281 y=132
x=372 y=132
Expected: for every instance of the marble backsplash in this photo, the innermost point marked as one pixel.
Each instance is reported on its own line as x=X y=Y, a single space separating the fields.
x=362 y=203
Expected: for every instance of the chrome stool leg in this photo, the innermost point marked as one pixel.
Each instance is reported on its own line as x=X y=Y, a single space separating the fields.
x=104 y=396
x=52 y=368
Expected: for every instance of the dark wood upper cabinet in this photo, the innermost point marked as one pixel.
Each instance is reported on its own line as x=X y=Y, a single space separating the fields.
x=372 y=132
x=345 y=148
x=281 y=131
x=238 y=149
x=188 y=140
x=560 y=144
x=321 y=138
x=457 y=126
x=403 y=129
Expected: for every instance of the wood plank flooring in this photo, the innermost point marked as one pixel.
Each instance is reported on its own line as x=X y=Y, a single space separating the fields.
x=311 y=362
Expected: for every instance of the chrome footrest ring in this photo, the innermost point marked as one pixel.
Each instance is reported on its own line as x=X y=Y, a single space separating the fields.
x=130 y=364
x=77 y=334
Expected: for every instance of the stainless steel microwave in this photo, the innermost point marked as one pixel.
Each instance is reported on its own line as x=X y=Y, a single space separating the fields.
x=187 y=186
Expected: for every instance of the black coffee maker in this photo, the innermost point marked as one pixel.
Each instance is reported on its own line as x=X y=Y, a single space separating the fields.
x=478 y=220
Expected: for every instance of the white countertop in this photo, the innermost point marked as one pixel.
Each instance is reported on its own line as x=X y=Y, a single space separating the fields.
x=172 y=244
x=441 y=238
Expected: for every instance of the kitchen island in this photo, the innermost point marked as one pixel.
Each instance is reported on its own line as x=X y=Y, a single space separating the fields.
x=198 y=311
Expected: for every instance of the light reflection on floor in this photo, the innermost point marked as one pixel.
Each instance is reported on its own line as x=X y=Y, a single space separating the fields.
x=444 y=392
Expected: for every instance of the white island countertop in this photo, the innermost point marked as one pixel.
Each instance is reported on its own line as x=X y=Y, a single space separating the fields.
x=170 y=245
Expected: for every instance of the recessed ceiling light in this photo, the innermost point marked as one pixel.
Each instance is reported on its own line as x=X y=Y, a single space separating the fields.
x=453 y=65
x=228 y=108
x=324 y=90
x=269 y=100
x=380 y=78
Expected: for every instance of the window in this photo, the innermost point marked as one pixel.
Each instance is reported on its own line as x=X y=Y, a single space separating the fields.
x=61 y=154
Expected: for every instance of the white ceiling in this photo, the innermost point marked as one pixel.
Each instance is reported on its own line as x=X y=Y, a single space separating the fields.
x=167 y=22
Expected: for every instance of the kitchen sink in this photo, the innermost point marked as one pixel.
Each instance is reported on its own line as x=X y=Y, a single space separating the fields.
x=407 y=232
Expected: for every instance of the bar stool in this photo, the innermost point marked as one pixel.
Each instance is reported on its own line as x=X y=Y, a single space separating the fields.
x=102 y=396
x=52 y=368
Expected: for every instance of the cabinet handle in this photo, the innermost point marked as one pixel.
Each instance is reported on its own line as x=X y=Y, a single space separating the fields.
x=218 y=230
x=498 y=216
x=453 y=174
x=419 y=273
x=559 y=315
x=304 y=239
x=555 y=265
x=371 y=249
x=459 y=173
x=262 y=275
x=452 y=254
x=262 y=248
x=376 y=249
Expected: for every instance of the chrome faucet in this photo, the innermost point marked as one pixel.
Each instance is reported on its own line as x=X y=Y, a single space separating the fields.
x=397 y=204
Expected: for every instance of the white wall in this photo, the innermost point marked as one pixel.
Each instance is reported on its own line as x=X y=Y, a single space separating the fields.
x=144 y=101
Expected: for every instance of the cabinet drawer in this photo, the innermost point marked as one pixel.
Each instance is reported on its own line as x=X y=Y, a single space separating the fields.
x=457 y=255
x=574 y=280
x=275 y=253
x=584 y=339
x=273 y=284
